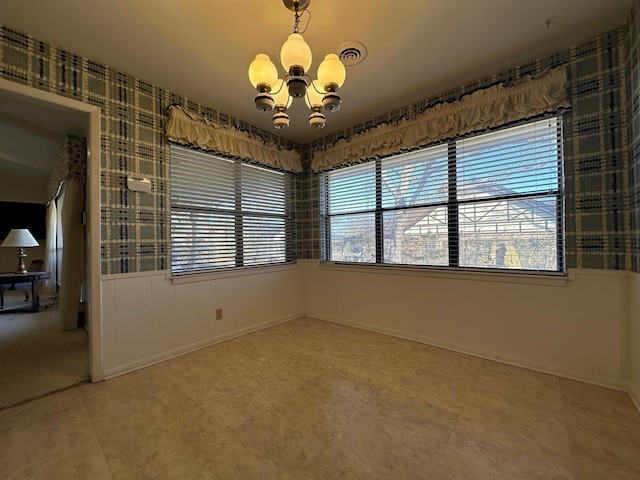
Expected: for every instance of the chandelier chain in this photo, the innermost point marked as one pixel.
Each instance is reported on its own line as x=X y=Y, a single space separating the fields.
x=296 y=19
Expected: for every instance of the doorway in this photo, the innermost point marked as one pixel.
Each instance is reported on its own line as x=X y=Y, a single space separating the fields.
x=21 y=103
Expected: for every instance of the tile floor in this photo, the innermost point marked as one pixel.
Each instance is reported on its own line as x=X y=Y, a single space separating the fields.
x=313 y=400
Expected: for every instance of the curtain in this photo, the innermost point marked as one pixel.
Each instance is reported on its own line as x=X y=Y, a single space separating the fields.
x=484 y=109
x=73 y=260
x=188 y=128
x=65 y=232
x=59 y=238
x=71 y=160
x=50 y=260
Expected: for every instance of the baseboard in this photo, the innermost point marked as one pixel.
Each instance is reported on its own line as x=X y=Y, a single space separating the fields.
x=616 y=384
x=162 y=357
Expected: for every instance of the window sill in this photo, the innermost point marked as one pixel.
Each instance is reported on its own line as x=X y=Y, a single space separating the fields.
x=229 y=273
x=559 y=279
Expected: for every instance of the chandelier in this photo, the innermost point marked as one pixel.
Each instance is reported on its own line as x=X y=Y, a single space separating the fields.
x=278 y=93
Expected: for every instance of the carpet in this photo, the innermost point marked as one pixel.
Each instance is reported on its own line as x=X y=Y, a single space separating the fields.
x=35 y=357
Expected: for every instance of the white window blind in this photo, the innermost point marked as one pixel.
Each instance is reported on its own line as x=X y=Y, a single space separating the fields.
x=227 y=213
x=490 y=201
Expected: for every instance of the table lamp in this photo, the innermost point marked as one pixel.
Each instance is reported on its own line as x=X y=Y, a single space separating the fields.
x=21 y=238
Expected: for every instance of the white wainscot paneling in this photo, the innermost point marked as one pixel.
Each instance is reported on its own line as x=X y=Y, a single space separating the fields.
x=132 y=319
x=273 y=295
x=634 y=336
x=575 y=328
x=187 y=315
x=165 y=333
x=146 y=318
x=107 y=319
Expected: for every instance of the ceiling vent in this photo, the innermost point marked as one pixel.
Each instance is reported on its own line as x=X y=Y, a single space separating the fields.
x=351 y=53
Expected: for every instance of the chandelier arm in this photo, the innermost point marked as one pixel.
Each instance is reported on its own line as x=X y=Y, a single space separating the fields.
x=313 y=108
x=312 y=83
x=284 y=82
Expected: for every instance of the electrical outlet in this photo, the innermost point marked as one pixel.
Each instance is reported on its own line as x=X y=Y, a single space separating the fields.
x=218 y=314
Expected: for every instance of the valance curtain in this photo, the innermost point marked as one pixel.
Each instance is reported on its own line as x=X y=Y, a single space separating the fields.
x=488 y=108
x=71 y=161
x=188 y=128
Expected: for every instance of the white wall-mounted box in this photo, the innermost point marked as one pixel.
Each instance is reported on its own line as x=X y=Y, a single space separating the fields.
x=138 y=184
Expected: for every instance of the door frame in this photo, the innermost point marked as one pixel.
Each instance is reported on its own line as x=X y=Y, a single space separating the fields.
x=93 y=306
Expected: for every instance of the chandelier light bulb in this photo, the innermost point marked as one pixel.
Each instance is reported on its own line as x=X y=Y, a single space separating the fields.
x=280 y=94
x=296 y=52
x=262 y=73
x=331 y=71
x=314 y=95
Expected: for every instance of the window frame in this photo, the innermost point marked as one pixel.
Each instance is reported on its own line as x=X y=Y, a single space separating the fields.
x=453 y=204
x=239 y=214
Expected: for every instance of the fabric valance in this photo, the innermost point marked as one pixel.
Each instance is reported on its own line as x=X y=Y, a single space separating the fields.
x=488 y=108
x=188 y=128
x=71 y=161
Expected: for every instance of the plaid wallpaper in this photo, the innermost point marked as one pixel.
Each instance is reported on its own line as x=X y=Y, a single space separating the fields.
x=598 y=218
x=596 y=156
x=601 y=215
x=633 y=88
x=135 y=226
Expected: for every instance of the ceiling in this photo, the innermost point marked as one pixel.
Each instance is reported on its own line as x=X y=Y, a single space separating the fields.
x=201 y=49
x=31 y=135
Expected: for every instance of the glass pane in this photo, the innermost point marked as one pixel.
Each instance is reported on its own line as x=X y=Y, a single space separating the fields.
x=201 y=180
x=417 y=236
x=353 y=238
x=262 y=190
x=519 y=160
x=352 y=189
x=264 y=240
x=415 y=178
x=519 y=234
x=201 y=241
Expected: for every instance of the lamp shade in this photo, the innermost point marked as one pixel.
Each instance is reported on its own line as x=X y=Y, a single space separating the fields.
x=295 y=51
x=313 y=97
x=262 y=71
x=331 y=70
x=20 y=237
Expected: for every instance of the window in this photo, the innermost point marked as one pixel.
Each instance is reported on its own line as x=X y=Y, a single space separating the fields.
x=492 y=201
x=227 y=213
